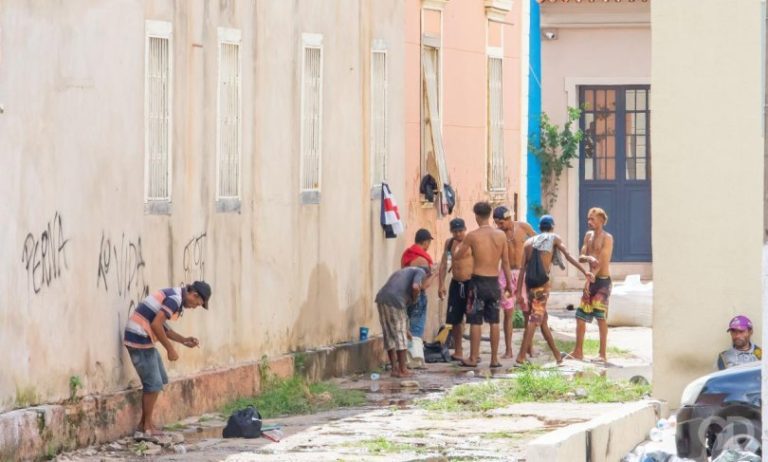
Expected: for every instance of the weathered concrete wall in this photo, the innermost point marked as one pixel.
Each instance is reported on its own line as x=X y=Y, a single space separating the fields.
x=79 y=250
x=595 y=44
x=707 y=173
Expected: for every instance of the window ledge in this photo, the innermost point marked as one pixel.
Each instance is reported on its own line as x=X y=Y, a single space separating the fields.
x=158 y=207
x=228 y=205
x=434 y=4
x=310 y=197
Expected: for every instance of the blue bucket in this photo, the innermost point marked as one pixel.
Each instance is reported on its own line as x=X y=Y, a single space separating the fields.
x=363 y=334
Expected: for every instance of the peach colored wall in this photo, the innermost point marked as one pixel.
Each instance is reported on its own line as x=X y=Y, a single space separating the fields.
x=587 y=51
x=464 y=89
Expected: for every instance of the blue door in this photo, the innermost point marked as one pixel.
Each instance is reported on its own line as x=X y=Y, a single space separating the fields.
x=615 y=166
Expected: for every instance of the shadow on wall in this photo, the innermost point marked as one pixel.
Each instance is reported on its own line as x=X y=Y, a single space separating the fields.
x=322 y=320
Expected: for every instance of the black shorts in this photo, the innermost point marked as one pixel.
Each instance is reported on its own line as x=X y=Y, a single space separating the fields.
x=484 y=300
x=457 y=302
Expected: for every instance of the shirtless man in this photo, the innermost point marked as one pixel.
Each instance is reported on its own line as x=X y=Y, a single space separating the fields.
x=489 y=253
x=548 y=246
x=517 y=233
x=596 y=250
x=461 y=272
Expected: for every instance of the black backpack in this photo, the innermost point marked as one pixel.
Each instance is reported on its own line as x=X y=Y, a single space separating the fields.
x=244 y=423
x=436 y=352
x=535 y=274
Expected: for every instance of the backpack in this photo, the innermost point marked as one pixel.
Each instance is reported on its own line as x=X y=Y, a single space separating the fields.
x=535 y=274
x=436 y=352
x=244 y=423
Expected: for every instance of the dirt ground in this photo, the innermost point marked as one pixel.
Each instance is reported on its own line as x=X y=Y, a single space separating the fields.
x=391 y=427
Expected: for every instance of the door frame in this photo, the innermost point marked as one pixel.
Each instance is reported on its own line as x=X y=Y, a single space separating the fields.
x=572 y=84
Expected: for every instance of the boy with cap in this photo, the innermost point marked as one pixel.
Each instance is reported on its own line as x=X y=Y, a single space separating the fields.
x=148 y=324
x=416 y=255
x=517 y=233
x=742 y=349
x=461 y=272
x=547 y=247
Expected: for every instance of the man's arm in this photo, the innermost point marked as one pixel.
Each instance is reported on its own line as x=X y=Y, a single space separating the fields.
x=505 y=265
x=529 y=231
x=521 y=274
x=571 y=260
x=428 y=280
x=159 y=331
x=583 y=257
x=443 y=271
x=176 y=337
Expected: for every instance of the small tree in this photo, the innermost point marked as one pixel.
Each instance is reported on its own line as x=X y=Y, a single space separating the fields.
x=555 y=150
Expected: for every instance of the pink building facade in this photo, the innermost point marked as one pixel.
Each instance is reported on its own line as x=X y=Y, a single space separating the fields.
x=464 y=71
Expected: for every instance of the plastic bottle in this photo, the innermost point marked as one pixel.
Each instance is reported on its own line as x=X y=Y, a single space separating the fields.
x=375 y=381
x=655 y=435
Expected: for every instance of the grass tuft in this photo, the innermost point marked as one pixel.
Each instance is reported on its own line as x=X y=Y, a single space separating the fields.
x=534 y=384
x=592 y=348
x=295 y=395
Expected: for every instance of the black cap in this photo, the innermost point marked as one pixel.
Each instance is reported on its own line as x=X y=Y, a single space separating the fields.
x=423 y=235
x=501 y=213
x=204 y=290
x=457 y=224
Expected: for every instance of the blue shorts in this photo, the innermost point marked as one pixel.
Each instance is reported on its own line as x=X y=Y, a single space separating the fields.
x=150 y=368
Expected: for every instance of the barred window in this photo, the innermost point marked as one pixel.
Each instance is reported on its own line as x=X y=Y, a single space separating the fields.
x=497 y=180
x=379 y=145
x=157 y=110
x=229 y=115
x=311 y=112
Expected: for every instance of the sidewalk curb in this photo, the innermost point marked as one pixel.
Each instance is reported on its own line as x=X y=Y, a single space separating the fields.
x=603 y=439
x=41 y=432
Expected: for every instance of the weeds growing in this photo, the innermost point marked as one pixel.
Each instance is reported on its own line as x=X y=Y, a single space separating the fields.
x=534 y=384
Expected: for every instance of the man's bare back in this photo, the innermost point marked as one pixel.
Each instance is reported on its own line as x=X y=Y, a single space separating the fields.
x=487 y=246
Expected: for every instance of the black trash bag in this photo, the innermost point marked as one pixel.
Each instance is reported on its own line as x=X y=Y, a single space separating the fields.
x=244 y=423
x=436 y=352
x=428 y=187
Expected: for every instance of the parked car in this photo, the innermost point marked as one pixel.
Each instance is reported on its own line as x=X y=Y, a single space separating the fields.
x=721 y=410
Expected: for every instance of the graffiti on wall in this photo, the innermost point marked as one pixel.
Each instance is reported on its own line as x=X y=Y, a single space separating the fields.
x=45 y=256
x=122 y=268
x=194 y=258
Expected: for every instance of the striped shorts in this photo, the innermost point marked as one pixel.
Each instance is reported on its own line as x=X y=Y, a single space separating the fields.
x=394 y=325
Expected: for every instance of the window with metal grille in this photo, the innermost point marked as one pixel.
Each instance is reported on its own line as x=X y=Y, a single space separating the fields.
x=379 y=145
x=311 y=112
x=497 y=180
x=157 y=110
x=229 y=125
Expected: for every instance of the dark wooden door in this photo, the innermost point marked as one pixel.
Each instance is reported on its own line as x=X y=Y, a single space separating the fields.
x=615 y=165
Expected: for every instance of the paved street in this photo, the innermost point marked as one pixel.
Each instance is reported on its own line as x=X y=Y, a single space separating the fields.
x=391 y=426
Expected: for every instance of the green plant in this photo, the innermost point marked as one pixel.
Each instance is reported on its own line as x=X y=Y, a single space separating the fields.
x=554 y=148
x=300 y=363
x=75 y=384
x=534 y=384
x=296 y=396
x=518 y=320
x=591 y=347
